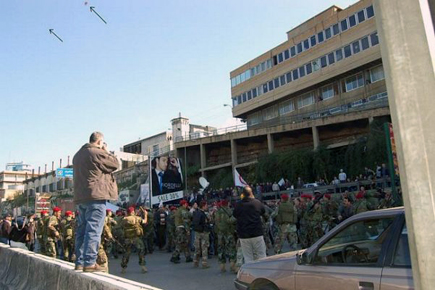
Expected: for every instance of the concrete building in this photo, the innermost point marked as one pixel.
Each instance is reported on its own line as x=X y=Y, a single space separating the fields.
x=323 y=85
x=11 y=183
x=18 y=166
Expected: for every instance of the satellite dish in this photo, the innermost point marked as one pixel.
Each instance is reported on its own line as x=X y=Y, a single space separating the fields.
x=204 y=183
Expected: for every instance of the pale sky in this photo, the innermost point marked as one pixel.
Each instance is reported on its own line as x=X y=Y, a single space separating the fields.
x=128 y=78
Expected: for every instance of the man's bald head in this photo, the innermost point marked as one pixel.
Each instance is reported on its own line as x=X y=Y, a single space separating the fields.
x=247 y=191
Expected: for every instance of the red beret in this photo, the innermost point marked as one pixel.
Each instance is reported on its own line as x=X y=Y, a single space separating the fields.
x=284 y=196
x=130 y=209
x=44 y=212
x=118 y=212
x=224 y=202
x=107 y=210
x=56 y=209
x=360 y=195
x=68 y=213
x=183 y=202
x=306 y=195
x=173 y=208
x=328 y=196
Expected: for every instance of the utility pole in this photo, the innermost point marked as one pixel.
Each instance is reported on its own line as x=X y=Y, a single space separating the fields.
x=407 y=40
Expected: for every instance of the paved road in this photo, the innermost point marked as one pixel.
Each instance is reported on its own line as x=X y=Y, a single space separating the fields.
x=166 y=275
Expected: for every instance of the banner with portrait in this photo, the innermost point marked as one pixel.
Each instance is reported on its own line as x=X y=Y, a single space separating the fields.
x=166 y=179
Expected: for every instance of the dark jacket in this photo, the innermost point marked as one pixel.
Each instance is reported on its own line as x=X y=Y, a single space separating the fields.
x=171 y=182
x=93 y=179
x=248 y=213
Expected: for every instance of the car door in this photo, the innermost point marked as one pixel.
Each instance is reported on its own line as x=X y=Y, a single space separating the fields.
x=350 y=259
x=397 y=272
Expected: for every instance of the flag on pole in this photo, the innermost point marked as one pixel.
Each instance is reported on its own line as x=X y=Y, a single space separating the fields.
x=281 y=182
x=238 y=180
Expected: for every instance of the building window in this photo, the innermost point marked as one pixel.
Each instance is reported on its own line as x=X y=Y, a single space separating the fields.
x=268 y=64
x=306 y=100
x=352 y=21
x=254 y=119
x=347 y=51
x=323 y=61
x=299 y=46
x=260 y=90
x=282 y=80
x=286 y=54
x=244 y=97
x=316 y=64
x=276 y=83
x=354 y=82
x=306 y=44
x=335 y=29
x=293 y=51
x=356 y=47
x=327 y=92
x=249 y=95
x=331 y=58
x=302 y=71
x=280 y=58
x=288 y=77
x=234 y=102
x=270 y=85
x=374 y=39
x=254 y=92
x=295 y=74
x=313 y=40
x=328 y=33
x=361 y=16
x=242 y=77
x=344 y=25
x=339 y=54
x=239 y=100
x=365 y=43
x=286 y=107
x=370 y=12
x=270 y=113
x=377 y=74
x=309 y=68
x=233 y=82
x=265 y=90
x=320 y=37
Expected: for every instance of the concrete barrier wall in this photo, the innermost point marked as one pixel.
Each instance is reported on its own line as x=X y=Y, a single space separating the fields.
x=22 y=269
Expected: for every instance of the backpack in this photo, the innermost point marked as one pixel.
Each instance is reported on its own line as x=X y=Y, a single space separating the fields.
x=132 y=227
x=198 y=221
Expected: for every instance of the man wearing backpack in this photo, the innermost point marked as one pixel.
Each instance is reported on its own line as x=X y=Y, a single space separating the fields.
x=182 y=228
x=133 y=232
x=286 y=218
x=202 y=240
x=225 y=227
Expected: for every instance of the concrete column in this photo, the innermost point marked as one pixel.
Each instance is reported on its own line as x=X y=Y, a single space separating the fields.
x=233 y=153
x=407 y=42
x=203 y=158
x=316 y=140
x=270 y=143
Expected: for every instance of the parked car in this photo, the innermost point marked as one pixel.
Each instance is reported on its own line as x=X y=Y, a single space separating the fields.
x=368 y=251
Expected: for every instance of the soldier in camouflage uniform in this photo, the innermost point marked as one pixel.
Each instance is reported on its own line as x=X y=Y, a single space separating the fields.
x=225 y=227
x=52 y=232
x=183 y=219
x=133 y=232
x=118 y=234
x=201 y=226
x=40 y=231
x=265 y=219
x=286 y=217
x=330 y=212
x=361 y=204
x=170 y=230
x=110 y=222
x=302 y=209
x=106 y=236
x=149 y=232
x=314 y=216
x=386 y=202
x=67 y=226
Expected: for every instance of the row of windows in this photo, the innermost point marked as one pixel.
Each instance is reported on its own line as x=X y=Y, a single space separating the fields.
x=315 y=65
x=281 y=110
x=306 y=44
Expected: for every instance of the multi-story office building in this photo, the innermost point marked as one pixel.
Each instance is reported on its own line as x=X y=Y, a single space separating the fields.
x=323 y=85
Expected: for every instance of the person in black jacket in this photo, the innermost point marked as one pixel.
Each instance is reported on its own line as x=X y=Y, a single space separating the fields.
x=248 y=213
x=201 y=227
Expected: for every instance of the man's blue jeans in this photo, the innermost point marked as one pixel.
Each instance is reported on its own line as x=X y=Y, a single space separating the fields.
x=90 y=224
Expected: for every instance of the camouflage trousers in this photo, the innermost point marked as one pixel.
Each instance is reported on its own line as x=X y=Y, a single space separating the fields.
x=68 y=250
x=50 y=248
x=41 y=243
x=287 y=232
x=315 y=232
x=170 y=239
x=138 y=243
x=202 y=242
x=102 y=259
x=226 y=248
x=266 y=235
x=148 y=241
x=303 y=235
x=181 y=242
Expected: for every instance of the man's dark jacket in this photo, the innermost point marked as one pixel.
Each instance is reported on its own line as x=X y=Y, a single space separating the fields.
x=248 y=213
x=93 y=178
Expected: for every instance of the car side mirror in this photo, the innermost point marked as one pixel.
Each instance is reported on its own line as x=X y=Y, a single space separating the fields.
x=302 y=259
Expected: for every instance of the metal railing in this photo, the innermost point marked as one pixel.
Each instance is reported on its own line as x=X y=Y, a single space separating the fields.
x=373 y=102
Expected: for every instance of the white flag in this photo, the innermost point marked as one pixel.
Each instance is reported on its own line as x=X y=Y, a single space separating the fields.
x=281 y=182
x=238 y=180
